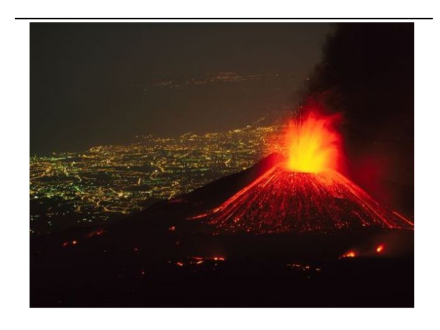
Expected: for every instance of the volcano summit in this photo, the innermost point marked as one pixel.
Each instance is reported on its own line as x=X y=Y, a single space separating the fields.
x=304 y=192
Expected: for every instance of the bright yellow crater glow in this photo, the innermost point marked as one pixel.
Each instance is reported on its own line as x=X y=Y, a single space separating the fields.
x=313 y=145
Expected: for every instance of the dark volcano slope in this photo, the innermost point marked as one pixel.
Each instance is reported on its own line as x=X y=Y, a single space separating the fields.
x=218 y=191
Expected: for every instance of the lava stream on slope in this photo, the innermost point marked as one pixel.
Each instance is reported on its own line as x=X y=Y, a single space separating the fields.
x=286 y=201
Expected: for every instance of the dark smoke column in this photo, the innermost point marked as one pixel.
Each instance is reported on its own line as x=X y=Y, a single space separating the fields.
x=367 y=73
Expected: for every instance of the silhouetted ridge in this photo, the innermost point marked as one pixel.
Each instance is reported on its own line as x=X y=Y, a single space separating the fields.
x=218 y=191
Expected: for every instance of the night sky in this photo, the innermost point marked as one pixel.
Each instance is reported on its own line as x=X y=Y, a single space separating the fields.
x=94 y=84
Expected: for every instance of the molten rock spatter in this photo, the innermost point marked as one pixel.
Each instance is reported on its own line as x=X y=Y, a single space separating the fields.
x=312 y=143
x=286 y=201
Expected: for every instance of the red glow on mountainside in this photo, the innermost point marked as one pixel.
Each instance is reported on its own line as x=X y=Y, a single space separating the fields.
x=285 y=201
x=305 y=192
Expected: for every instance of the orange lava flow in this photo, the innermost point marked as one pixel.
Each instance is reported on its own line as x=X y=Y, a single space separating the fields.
x=284 y=201
x=350 y=254
x=313 y=144
x=305 y=192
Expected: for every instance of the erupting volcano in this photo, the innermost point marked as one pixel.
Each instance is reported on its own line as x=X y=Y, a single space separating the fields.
x=305 y=192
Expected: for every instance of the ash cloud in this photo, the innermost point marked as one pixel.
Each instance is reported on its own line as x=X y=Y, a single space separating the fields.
x=367 y=74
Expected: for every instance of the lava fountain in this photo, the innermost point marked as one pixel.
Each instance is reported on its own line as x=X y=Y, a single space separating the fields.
x=313 y=144
x=305 y=193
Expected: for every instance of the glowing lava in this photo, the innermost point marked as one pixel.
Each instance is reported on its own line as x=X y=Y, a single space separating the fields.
x=306 y=193
x=285 y=201
x=313 y=144
x=350 y=254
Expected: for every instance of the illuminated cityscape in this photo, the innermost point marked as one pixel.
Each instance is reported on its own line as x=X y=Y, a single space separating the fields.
x=109 y=182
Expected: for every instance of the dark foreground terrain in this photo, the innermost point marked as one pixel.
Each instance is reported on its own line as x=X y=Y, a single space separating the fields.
x=135 y=269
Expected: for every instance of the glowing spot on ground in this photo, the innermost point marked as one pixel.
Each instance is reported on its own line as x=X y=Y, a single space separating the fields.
x=303 y=268
x=196 y=261
x=379 y=249
x=97 y=232
x=349 y=254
